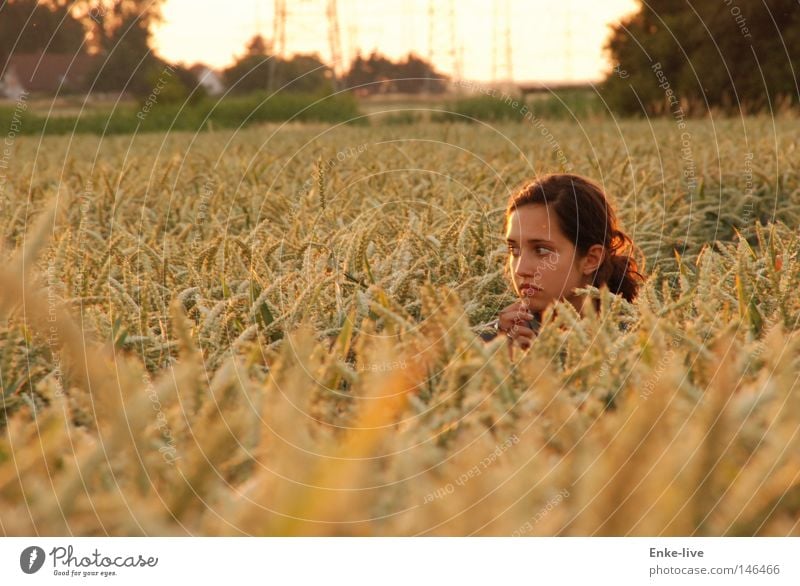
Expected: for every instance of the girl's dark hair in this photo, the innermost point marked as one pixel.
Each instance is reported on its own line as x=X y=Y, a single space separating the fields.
x=585 y=217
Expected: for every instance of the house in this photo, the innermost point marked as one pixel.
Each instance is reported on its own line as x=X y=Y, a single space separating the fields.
x=10 y=85
x=45 y=73
x=209 y=79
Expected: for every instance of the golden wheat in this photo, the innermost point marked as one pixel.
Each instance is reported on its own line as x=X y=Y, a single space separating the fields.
x=246 y=342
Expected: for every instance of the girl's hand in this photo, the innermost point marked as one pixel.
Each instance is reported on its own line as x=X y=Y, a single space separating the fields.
x=514 y=324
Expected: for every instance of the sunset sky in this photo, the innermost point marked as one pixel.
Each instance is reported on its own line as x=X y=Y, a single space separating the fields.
x=552 y=40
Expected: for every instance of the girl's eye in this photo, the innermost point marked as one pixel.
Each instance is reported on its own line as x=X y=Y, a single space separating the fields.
x=513 y=250
x=543 y=250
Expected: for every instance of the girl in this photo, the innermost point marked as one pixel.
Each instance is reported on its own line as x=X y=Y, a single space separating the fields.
x=562 y=234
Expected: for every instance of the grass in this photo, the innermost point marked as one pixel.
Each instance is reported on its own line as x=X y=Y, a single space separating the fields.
x=268 y=332
x=203 y=114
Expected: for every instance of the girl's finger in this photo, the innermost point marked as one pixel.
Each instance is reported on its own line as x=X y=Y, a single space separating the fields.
x=516 y=317
x=515 y=325
x=514 y=307
x=521 y=331
x=524 y=342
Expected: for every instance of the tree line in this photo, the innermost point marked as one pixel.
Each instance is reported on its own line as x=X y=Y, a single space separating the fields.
x=687 y=57
x=119 y=34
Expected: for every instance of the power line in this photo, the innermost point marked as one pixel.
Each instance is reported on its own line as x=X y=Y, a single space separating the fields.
x=335 y=40
x=569 y=52
x=279 y=29
x=456 y=53
x=502 y=69
x=282 y=15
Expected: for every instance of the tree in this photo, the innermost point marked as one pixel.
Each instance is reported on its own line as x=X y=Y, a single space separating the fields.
x=377 y=74
x=414 y=75
x=710 y=54
x=253 y=71
x=28 y=26
x=304 y=73
x=256 y=70
x=371 y=75
x=120 y=31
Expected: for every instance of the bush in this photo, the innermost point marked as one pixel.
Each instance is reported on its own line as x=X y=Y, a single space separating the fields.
x=562 y=104
x=485 y=108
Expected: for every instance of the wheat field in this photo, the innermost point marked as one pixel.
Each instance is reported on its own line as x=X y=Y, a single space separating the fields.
x=272 y=332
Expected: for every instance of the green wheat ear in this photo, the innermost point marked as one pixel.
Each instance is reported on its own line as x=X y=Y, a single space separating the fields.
x=320 y=173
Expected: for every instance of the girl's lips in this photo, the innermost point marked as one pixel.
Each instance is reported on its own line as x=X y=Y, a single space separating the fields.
x=530 y=291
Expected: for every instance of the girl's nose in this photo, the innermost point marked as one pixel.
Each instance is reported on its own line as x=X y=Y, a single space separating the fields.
x=528 y=267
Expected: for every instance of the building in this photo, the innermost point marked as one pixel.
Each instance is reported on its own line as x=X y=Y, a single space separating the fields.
x=46 y=73
x=208 y=78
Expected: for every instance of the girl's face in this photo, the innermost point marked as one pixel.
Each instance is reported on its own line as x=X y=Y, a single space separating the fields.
x=544 y=263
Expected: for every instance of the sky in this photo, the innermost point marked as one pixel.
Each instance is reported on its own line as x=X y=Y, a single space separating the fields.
x=552 y=40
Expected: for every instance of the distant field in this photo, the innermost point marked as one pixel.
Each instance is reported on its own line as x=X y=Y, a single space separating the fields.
x=69 y=115
x=170 y=371
x=108 y=117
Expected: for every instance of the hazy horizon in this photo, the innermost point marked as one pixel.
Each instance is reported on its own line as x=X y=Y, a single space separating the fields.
x=563 y=45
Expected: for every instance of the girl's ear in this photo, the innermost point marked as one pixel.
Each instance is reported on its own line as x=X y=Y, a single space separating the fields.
x=593 y=259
